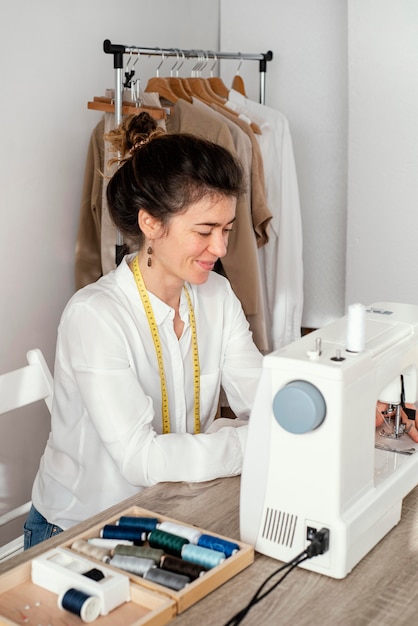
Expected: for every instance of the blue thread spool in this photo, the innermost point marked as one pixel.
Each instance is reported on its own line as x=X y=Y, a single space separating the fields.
x=218 y=544
x=171 y=544
x=146 y=524
x=203 y=556
x=167 y=579
x=192 y=534
x=131 y=533
x=81 y=604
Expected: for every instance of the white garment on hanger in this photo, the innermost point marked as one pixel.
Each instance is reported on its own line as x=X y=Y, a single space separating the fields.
x=281 y=258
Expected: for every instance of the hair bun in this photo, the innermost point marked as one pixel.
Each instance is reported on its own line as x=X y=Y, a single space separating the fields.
x=133 y=132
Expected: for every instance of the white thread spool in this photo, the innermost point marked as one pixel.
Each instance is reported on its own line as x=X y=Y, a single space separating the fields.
x=356 y=328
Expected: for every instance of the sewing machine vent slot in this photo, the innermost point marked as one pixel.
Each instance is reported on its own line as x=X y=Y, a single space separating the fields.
x=279 y=527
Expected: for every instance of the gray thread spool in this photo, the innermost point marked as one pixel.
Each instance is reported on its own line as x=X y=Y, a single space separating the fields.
x=167 y=579
x=134 y=564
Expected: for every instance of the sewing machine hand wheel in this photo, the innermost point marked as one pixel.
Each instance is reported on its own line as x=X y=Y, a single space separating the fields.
x=299 y=407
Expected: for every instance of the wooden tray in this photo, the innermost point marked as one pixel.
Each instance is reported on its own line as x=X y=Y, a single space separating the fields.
x=151 y=604
x=22 y=602
x=195 y=590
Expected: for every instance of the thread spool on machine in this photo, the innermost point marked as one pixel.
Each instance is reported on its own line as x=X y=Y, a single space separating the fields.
x=314 y=458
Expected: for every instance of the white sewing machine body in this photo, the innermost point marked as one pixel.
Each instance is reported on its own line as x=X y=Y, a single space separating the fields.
x=331 y=475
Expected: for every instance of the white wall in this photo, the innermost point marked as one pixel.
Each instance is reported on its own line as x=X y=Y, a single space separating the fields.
x=383 y=151
x=307 y=82
x=52 y=64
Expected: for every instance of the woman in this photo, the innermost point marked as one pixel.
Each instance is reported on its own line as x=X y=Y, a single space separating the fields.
x=143 y=353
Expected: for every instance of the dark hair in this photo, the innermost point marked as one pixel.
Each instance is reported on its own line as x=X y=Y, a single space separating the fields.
x=164 y=173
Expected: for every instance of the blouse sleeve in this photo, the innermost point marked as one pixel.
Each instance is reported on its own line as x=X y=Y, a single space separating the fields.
x=122 y=413
x=242 y=362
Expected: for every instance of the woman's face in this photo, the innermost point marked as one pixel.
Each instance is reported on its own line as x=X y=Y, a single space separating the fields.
x=195 y=239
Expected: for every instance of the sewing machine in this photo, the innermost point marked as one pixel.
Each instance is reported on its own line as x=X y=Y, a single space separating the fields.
x=314 y=457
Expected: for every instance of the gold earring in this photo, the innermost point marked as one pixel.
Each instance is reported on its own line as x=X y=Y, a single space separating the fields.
x=149 y=252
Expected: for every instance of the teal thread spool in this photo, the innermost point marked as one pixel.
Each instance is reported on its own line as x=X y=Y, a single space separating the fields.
x=202 y=556
x=171 y=544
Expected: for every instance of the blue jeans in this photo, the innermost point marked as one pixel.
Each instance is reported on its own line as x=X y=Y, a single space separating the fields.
x=37 y=529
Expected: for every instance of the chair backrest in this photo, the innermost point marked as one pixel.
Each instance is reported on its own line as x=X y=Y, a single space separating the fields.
x=28 y=384
x=18 y=388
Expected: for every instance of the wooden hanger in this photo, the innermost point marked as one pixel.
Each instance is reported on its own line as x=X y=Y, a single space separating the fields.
x=101 y=103
x=162 y=87
x=179 y=87
x=176 y=83
x=211 y=93
x=238 y=83
x=201 y=95
x=218 y=86
x=199 y=89
x=205 y=85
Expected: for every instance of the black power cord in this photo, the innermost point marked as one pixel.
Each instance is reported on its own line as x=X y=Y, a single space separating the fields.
x=319 y=544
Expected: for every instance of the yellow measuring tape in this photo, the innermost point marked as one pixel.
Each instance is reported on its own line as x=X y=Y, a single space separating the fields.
x=156 y=339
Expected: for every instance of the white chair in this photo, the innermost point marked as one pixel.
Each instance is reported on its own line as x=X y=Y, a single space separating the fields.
x=18 y=388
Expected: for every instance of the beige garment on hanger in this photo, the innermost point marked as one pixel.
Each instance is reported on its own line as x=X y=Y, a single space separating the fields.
x=95 y=229
x=243 y=148
x=108 y=229
x=241 y=261
x=88 y=266
x=261 y=214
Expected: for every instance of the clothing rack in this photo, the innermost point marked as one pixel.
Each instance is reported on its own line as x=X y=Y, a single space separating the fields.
x=118 y=50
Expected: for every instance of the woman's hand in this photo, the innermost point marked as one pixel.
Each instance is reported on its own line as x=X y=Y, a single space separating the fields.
x=380 y=408
x=411 y=426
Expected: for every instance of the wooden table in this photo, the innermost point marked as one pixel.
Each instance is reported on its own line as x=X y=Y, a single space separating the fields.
x=382 y=590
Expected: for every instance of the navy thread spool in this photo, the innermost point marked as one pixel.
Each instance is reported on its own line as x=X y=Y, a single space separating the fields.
x=179 y=566
x=171 y=544
x=94 y=574
x=167 y=579
x=192 y=534
x=88 y=608
x=146 y=524
x=220 y=545
x=203 y=556
x=133 y=564
x=141 y=551
x=114 y=531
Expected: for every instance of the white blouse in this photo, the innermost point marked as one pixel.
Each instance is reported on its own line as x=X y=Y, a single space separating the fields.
x=105 y=442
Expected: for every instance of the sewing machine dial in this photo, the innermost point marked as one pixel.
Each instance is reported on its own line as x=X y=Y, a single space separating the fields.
x=299 y=407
